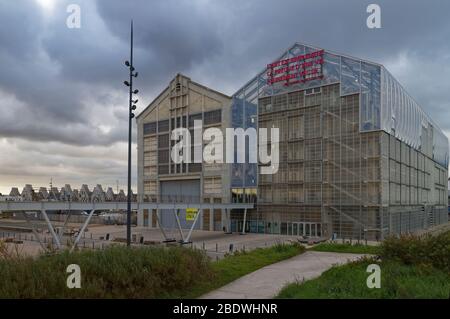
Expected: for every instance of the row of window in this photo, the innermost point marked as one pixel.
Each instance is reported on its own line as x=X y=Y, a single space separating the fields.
x=209 y=118
x=291 y=100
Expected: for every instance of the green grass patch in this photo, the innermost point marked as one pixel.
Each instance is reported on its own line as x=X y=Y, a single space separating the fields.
x=397 y=281
x=347 y=248
x=121 y=272
x=411 y=267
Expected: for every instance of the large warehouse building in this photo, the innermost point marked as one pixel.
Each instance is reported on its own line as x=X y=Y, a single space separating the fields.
x=358 y=156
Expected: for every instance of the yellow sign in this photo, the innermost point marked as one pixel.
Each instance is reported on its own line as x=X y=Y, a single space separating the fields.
x=191 y=213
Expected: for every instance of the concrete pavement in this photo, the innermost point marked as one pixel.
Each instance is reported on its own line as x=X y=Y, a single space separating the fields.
x=268 y=281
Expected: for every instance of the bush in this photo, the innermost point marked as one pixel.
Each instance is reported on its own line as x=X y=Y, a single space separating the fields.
x=116 y=272
x=415 y=250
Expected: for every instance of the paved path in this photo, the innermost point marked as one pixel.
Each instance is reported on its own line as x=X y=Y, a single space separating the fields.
x=267 y=282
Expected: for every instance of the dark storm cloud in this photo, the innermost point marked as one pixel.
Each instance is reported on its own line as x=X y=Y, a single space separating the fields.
x=65 y=85
x=26 y=72
x=52 y=68
x=53 y=73
x=172 y=34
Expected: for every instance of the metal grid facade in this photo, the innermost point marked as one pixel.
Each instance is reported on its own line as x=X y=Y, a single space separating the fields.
x=358 y=157
x=337 y=180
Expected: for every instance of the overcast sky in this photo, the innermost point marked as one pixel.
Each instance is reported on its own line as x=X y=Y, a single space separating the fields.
x=63 y=107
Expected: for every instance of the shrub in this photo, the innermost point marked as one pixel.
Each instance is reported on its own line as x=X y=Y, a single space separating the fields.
x=415 y=250
x=9 y=252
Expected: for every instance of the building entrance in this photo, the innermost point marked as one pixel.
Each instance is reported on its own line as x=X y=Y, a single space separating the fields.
x=304 y=229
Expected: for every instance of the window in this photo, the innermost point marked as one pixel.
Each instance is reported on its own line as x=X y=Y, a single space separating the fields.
x=212 y=117
x=163 y=141
x=179 y=121
x=194 y=117
x=163 y=126
x=265 y=104
x=149 y=128
x=195 y=167
x=163 y=169
x=313 y=91
x=163 y=156
x=279 y=102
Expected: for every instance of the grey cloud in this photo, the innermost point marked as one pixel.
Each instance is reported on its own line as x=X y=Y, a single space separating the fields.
x=65 y=85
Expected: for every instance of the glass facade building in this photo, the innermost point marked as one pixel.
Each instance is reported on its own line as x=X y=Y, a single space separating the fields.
x=359 y=158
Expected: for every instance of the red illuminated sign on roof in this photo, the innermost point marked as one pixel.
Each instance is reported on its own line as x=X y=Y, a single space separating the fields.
x=298 y=69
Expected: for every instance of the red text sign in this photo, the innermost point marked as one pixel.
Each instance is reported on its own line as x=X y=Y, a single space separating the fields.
x=301 y=68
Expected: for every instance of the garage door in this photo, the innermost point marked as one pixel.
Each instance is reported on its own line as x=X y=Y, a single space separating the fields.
x=186 y=188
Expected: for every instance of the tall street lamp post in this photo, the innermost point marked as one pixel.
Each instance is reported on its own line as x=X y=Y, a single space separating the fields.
x=132 y=107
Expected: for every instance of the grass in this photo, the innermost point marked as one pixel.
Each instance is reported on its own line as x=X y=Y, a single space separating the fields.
x=121 y=272
x=347 y=248
x=411 y=267
x=116 y=272
x=349 y=282
x=239 y=264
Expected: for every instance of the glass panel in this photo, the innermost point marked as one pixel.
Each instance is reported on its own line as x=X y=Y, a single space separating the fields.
x=194 y=117
x=313 y=230
x=261 y=227
x=350 y=76
x=295 y=229
x=331 y=68
x=307 y=229
x=163 y=126
x=212 y=117
x=149 y=128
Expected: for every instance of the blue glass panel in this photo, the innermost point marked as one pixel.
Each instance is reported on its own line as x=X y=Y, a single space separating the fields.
x=350 y=76
x=370 y=97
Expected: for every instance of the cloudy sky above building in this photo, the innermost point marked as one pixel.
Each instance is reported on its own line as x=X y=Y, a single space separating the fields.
x=63 y=107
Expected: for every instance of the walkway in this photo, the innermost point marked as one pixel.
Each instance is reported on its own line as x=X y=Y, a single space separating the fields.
x=267 y=282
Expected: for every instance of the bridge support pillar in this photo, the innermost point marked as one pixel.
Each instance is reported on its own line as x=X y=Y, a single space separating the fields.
x=51 y=229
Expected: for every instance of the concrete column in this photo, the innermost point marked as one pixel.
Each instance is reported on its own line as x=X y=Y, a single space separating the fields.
x=158 y=213
x=200 y=211
x=223 y=219
x=211 y=219
x=140 y=217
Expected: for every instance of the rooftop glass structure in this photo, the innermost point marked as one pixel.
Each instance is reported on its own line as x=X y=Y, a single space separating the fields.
x=385 y=104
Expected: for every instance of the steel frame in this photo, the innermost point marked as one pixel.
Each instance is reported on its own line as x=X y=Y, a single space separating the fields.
x=43 y=206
